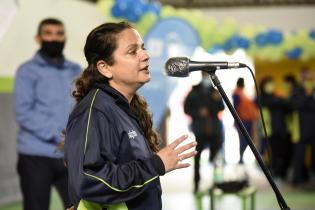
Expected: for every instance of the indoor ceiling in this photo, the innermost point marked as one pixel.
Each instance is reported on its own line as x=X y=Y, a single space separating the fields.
x=229 y=3
x=233 y=3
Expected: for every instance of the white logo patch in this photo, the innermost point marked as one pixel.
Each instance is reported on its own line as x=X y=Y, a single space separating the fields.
x=132 y=134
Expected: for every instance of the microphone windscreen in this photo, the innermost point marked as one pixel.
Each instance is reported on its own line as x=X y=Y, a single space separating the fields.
x=177 y=67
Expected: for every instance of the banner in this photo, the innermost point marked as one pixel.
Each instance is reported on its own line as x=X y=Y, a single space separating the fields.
x=167 y=38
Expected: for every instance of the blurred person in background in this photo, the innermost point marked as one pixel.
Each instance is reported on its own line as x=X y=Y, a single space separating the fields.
x=43 y=102
x=203 y=104
x=248 y=112
x=302 y=99
x=275 y=110
x=112 y=151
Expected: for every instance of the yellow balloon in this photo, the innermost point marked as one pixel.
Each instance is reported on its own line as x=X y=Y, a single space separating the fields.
x=167 y=11
x=145 y=23
x=105 y=6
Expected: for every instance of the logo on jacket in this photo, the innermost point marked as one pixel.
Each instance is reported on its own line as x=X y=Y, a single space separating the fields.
x=132 y=134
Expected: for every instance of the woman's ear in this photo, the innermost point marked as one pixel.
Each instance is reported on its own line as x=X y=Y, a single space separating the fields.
x=104 y=69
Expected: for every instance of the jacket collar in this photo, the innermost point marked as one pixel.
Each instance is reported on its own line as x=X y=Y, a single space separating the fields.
x=119 y=98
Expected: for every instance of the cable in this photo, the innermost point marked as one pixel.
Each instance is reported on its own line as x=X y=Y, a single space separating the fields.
x=265 y=131
x=268 y=148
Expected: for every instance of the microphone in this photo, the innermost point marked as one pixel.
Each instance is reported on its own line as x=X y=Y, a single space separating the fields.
x=182 y=66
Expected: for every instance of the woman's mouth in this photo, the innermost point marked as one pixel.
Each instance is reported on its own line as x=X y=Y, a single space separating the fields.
x=146 y=68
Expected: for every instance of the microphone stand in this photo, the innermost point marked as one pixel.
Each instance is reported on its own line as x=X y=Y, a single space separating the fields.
x=217 y=83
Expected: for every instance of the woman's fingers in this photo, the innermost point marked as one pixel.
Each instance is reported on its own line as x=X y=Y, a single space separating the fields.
x=172 y=154
x=182 y=165
x=184 y=157
x=186 y=147
x=178 y=141
x=187 y=155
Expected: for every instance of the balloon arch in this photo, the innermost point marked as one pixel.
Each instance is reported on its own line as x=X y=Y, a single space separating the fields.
x=258 y=42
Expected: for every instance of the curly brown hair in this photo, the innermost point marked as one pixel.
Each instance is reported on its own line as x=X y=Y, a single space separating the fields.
x=100 y=45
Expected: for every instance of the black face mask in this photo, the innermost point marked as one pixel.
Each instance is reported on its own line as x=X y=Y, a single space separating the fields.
x=52 y=49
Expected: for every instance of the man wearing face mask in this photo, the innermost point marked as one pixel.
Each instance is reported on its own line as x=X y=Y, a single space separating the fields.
x=43 y=102
x=203 y=104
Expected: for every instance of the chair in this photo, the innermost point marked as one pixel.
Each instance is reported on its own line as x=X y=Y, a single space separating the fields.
x=247 y=192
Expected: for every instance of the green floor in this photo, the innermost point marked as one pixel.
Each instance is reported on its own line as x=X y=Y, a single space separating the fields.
x=55 y=204
x=264 y=201
x=295 y=200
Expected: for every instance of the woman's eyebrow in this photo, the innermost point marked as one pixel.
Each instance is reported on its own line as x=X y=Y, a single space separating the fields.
x=131 y=46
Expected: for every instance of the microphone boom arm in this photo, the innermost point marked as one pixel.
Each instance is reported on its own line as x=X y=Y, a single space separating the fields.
x=217 y=83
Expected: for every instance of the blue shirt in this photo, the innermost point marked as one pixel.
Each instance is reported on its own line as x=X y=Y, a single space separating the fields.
x=43 y=102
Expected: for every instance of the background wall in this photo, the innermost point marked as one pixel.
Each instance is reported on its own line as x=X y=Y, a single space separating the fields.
x=16 y=46
x=9 y=187
x=18 y=43
x=285 y=18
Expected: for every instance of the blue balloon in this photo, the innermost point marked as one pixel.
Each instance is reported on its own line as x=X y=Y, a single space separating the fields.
x=121 y=1
x=123 y=4
x=274 y=37
x=243 y=43
x=154 y=8
x=312 y=34
x=139 y=7
x=228 y=45
x=132 y=10
x=234 y=40
x=214 y=49
x=116 y=12
x=132 y=16
x=295 y=53
x=261 y=39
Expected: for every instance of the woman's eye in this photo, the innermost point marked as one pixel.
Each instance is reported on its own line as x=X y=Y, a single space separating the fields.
x=133 y=52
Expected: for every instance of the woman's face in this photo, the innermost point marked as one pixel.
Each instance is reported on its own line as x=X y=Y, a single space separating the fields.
x=131 y=67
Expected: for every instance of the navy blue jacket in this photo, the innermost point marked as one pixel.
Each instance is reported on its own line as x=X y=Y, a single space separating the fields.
x=109 y=160
x=305 y=105
x=279 y=109
x=203 y=97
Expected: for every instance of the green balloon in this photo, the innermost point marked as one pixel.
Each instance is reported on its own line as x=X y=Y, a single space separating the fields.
x=167 y=11
x=105 y=6
x=146 y=22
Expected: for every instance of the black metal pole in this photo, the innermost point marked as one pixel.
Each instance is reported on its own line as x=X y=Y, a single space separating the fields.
x=216 y=82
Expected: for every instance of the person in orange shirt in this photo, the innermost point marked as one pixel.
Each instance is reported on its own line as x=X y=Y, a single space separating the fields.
x=247 y=110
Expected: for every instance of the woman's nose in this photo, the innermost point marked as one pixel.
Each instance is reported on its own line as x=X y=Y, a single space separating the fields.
x=144 y=56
